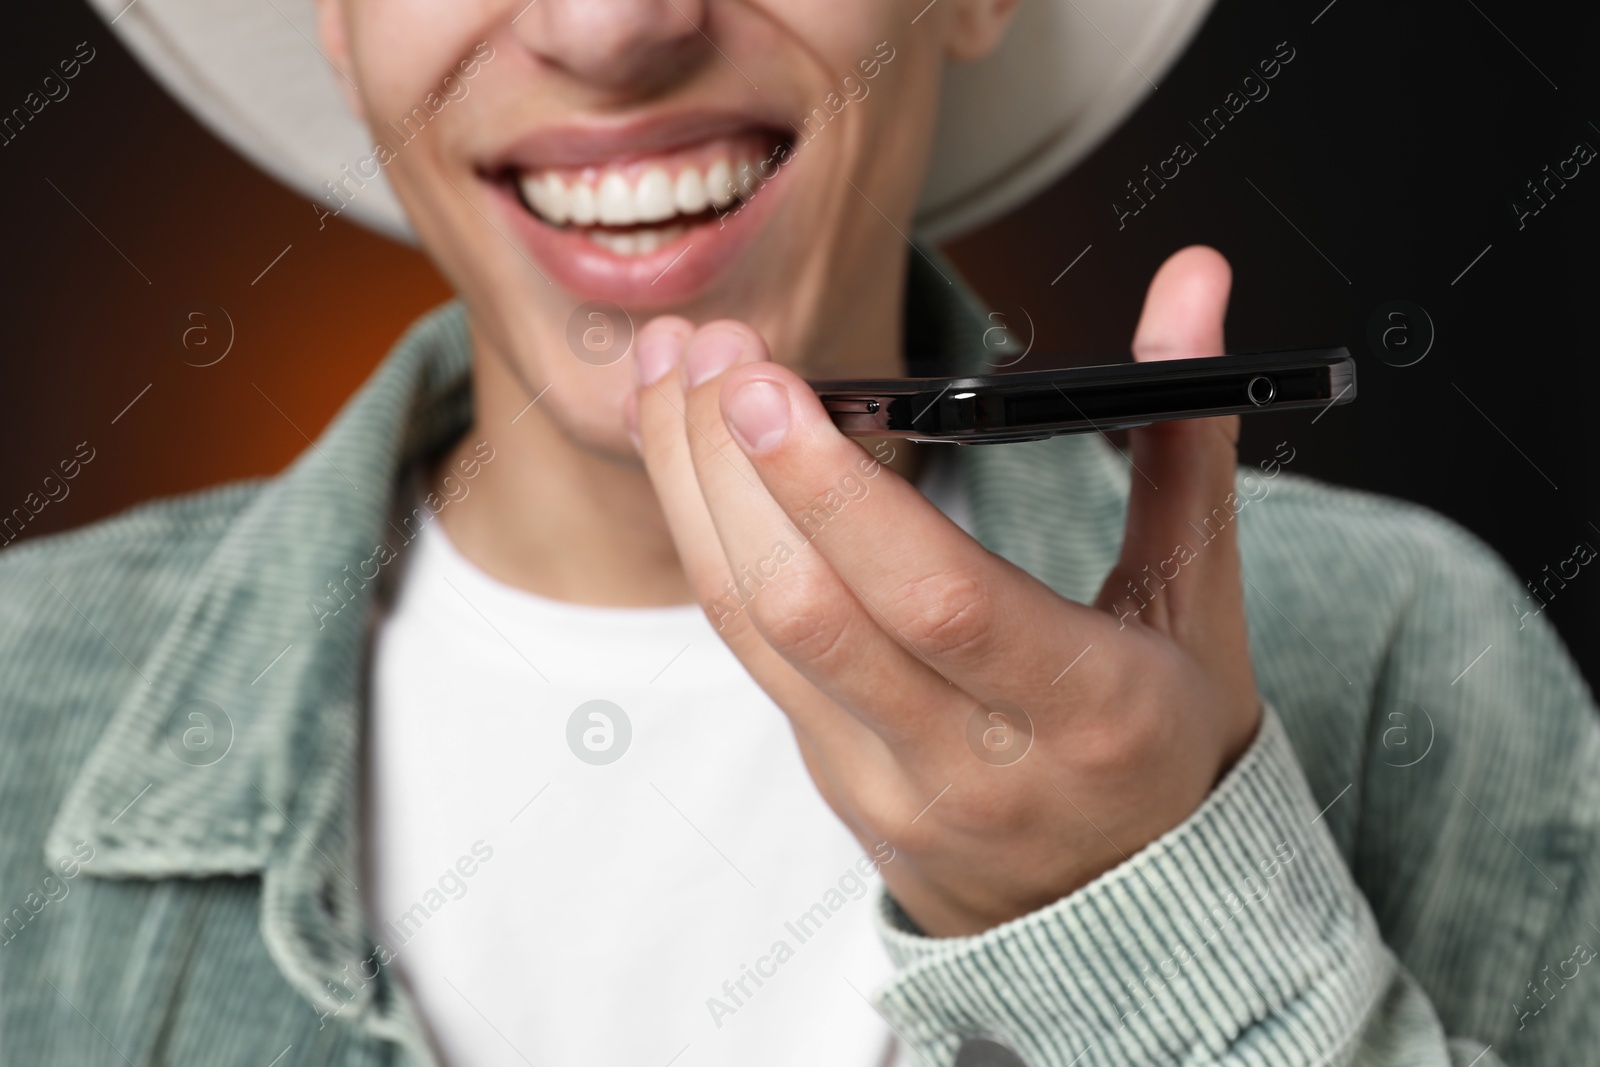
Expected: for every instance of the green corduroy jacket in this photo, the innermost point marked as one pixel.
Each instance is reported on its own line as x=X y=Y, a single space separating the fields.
x=1401 y=870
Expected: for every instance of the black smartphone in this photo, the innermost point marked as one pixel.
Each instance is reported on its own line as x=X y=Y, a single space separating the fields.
x=1033 y=405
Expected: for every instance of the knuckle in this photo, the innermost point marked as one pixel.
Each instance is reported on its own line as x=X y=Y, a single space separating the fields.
x=1106 y=749
x=889 y=813
x=1131 y=730
x=799 y=615
x=949 y=616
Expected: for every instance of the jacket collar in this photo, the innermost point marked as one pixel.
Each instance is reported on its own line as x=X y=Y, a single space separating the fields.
x=270 y=782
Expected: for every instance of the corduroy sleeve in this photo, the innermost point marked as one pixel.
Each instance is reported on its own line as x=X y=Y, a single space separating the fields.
x=1458 y=881
x=1237 y=937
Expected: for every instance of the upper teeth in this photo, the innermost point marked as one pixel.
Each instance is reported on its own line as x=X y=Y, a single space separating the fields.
x=610 y=198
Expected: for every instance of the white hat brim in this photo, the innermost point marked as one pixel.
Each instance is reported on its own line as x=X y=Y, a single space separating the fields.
x=1068 y=73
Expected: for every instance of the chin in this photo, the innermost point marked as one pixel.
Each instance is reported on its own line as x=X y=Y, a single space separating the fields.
x=594 y=424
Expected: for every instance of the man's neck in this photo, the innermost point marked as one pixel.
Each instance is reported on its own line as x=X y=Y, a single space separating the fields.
x=562 y=520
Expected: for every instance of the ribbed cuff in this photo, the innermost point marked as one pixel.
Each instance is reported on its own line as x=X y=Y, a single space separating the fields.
x=1240 y=928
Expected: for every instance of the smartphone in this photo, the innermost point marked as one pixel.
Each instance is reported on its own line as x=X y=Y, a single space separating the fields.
x=1033 y=405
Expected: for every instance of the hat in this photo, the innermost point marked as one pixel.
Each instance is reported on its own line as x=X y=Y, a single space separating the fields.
x=1067 y=72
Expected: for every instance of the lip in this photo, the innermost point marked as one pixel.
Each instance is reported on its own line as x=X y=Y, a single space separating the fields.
x=620 y=142
x=673 y=274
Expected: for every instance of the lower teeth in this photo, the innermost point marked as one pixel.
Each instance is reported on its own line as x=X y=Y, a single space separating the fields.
x=637 y=242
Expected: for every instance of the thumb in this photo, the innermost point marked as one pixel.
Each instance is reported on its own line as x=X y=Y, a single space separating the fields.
x=1179 y=567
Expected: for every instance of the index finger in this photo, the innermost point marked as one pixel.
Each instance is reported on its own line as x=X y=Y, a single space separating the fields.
x=977 y=618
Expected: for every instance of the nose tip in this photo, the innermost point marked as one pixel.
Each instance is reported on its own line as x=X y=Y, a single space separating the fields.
x=617 y=44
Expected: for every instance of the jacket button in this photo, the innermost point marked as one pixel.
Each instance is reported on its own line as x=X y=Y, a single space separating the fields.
x=986 y=1052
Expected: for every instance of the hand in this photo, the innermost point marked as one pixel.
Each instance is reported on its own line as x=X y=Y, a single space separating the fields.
x=888 y=636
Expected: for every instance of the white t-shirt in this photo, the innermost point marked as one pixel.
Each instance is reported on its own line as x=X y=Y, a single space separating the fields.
x=690 y=902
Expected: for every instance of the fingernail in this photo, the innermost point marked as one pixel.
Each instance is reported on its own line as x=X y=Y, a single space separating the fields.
x=713 y=352
x=658 y=353
x=759 y=415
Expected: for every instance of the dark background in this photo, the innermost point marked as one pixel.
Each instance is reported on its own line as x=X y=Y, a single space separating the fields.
x=1381 y=165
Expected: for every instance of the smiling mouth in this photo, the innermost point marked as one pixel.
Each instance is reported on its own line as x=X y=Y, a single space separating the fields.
x=637 y=206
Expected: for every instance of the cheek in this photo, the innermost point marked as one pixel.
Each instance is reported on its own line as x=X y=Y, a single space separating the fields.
x=403 y=51
x=838 y=33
